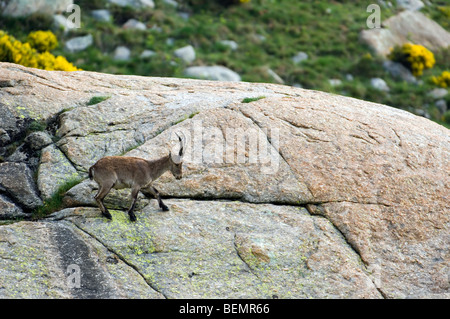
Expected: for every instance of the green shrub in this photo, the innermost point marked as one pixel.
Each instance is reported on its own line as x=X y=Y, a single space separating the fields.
x=446 y=117
x=55 y=203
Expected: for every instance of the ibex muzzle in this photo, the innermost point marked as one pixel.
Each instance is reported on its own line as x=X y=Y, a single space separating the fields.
x=136 y=173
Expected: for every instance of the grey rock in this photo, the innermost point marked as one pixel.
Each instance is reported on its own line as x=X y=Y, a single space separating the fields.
x=83 y=194
x=300 y=57
x=230 y=43
x=216 y=72
x=54 y=171
x=370 y=176
x=50 y=251
x=335 y=82
x=379 y=84
x=186 y=54
x=16 y=179
x=9 y=210
x=101 y=15
x=134 y=25
x=398 y=71
x=122 y=53
x=138 y=4
x=413 y=5
x=79 y=43
x=38 y=140
x=10 y=123
x=170 y=41
x=4 y=137
x=438 y=93
x=19 y=155
x=172 y=3
x=441 y=105
x=184 y=15
x=22 y=8
x=286 y=256
x=147 y=54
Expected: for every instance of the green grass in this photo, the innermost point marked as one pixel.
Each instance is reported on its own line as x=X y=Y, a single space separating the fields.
x=97 y=99
x=55 y=203
x=252 y=99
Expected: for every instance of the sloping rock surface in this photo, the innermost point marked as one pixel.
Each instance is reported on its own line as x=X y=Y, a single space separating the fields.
x=297 y=194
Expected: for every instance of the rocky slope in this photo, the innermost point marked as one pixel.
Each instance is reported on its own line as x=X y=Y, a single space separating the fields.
x=294 y=194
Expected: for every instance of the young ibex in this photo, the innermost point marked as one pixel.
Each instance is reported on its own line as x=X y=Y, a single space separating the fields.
x=136 y=173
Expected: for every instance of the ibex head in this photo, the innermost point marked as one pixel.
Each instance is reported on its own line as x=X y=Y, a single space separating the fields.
x=177 y=160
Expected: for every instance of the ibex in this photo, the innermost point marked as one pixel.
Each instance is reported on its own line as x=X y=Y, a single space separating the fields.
x=136 y=173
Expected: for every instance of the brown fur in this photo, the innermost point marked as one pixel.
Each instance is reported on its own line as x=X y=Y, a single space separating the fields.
x=131 y=172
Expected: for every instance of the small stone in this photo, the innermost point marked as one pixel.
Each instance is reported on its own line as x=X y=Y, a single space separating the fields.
x=147 y=54
x=300 y=57
x=379 y=84
x=216 y=72
x=134 y=24
x=438 y=93
x=187 y=53
x=230 y=43
x=137 y=4
x=122 y=53
x=441 y=105
x=398 y=71
x=79 y=43
x=335 y=82
x=101 y=15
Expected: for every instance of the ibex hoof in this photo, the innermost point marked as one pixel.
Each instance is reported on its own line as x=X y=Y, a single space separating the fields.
x=165 y=208
x=132 y=216
x=107 y=215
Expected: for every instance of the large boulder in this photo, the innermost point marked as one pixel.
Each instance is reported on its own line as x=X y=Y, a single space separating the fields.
x=407 y=26
x=286 y=192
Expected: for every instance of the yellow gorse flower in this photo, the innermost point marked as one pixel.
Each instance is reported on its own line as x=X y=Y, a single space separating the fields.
x=42 y=40
x=415 y=56
x=12 y=50
x=443 y=80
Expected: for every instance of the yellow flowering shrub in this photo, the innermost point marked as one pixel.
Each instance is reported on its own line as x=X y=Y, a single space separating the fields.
x=12 y=50
x=42 y=40
x=443 y=80
x=414 y=56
